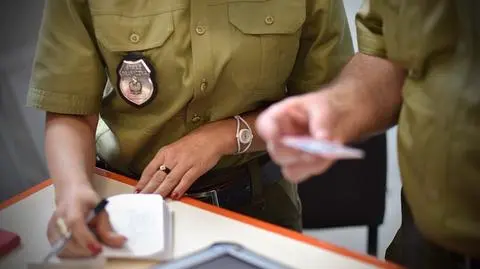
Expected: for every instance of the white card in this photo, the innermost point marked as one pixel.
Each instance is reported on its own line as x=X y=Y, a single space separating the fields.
x=323 y=148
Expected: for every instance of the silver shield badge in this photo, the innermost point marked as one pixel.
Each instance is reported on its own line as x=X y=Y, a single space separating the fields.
x=135 y=81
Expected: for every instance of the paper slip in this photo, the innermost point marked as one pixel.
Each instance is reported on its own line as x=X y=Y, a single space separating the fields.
x=146 y=221
x=323 y=148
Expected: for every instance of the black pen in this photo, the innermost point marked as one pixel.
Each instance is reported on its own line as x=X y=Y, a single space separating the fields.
x=60 y=244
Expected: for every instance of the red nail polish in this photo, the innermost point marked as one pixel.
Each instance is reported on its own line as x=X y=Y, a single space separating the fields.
x=136 y=191
x=95 y=249
x=174 y=196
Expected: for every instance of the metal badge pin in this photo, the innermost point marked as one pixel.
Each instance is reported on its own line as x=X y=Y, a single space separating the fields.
x=136 y=81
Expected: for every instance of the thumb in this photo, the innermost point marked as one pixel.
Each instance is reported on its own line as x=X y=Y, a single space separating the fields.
x=321 y=123
x=266 y=125
x=106 y=232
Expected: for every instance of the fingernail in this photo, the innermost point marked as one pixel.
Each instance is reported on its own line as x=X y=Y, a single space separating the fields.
x=117 y=236
x=174 y=196
x=94 y=248
x=136 y=191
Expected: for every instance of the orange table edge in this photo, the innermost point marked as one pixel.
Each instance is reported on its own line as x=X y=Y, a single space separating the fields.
x=227 y=213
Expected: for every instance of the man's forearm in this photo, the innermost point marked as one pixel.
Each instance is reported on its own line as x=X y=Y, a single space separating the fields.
x=374 y=86
x=70 y=149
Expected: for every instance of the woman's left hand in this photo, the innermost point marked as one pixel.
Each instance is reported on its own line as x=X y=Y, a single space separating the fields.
x=187 y=159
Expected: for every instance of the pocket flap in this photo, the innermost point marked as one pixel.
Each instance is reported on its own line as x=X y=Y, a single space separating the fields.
x=119 y=33
x=268 y=16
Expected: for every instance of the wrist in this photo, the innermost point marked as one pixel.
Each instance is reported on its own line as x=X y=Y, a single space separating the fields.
x=65 y=190
x=228 y=141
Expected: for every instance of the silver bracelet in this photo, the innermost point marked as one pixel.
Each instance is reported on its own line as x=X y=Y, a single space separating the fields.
x=244 y=135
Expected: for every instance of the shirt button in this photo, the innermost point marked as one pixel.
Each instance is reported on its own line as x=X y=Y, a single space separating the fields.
x=269 y=20
x=134 y=38
x=196 y=118
x=200 y=30
x=203 y=85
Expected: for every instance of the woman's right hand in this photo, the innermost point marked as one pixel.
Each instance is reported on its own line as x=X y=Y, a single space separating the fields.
x=73 y=205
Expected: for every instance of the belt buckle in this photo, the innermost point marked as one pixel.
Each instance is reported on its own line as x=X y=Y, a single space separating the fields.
x=212 y=194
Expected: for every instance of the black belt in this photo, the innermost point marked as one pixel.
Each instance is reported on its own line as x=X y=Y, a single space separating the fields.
x=228 y=188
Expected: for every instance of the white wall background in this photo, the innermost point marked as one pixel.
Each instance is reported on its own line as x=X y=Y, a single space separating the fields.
x=21 y=135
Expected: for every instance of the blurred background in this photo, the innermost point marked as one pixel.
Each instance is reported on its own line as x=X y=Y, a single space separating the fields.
x=22 y=162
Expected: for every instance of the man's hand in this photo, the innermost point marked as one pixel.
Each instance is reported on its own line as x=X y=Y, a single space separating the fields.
x=364 y=100
x=321 y=115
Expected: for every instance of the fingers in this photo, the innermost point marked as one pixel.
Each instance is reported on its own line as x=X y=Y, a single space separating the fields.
x=155 y=181
x=321 y=123
x=150 y=170
x=82 y=234
x=185 y=183
x=283 y=155
x=266 y=124
x=286 y=117
x=303 y=170
x=152 y=183
x=171 y=181
x=105 y=231
x=72 y=249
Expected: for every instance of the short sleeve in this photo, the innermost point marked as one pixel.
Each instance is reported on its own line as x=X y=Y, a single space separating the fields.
x=325 y=46
x=369 y=26
x=68 y=76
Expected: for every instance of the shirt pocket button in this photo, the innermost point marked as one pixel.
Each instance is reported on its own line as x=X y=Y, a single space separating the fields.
x=200 y=30
x=134 y=38
x=269 y=20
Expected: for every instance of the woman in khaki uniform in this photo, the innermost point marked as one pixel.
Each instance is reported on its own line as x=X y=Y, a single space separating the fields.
x=177 y=86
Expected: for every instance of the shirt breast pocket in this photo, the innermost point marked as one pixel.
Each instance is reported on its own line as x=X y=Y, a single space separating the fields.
x=265 y=38
x=118 y=34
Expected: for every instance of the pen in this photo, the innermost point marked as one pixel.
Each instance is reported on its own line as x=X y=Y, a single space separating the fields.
x=66 y=235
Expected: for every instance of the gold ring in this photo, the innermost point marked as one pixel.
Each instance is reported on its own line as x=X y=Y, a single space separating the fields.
x=164 y=169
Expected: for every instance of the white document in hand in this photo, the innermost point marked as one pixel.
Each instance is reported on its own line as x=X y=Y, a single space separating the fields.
x=323 y=148
x=146 y=221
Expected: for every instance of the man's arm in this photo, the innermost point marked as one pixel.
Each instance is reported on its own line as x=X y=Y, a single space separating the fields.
x=372 y=85
x=370 y=80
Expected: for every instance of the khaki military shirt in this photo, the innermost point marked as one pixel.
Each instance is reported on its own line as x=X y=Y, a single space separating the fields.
x=213 y=59
x=438 y=41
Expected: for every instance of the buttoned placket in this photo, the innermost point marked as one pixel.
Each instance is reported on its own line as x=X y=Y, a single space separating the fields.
x=197 y=110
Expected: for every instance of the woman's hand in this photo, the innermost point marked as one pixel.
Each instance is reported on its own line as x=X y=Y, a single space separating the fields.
x=187 y=159
x=73 y=205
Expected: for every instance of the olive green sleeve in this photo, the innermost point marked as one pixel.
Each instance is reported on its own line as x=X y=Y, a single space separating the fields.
x=369 y=29
x=326 y=46
x=68 y=75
